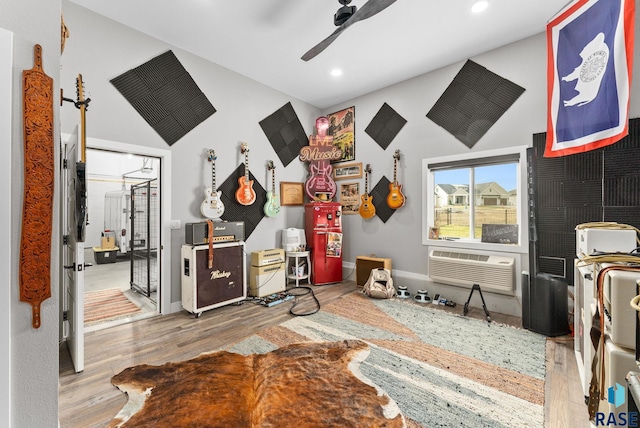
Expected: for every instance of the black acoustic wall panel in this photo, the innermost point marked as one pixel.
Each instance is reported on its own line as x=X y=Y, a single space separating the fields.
x=473 y=102
x=379 y=193
x=166 y=96
x=233 y=211
x=599 y=185
x=385 y=125
x=285 y=133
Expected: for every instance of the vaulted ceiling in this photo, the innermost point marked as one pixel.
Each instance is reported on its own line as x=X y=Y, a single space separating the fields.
x=265 y=39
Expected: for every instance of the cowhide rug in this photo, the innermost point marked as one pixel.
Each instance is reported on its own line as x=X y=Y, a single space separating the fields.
x=299 y=385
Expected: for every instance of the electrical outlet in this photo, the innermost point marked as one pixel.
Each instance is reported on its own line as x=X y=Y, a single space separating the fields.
x=176 y=224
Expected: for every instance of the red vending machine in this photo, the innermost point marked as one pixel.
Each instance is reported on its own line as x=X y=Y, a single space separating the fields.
x=323 y=231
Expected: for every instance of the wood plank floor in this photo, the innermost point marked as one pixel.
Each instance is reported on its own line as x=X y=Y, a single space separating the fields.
x=88 y=399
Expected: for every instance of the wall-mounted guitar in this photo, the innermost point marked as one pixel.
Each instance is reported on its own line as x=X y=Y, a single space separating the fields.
x=272 y=206
x=245 y=195
x=212 y=207
x=82 y=214
x=395 y=198
x=367 y=209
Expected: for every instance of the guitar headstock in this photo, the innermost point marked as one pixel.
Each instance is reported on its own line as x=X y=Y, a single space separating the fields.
x=367 y=169
x=211 y=155
x=270 y=165
x=244 y=148
x=396 y=155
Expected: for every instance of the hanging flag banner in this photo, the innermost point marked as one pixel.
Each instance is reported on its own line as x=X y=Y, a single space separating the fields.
x=589 y=61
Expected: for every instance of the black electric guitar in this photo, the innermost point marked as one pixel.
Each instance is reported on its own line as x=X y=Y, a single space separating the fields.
x=367 y=209
x=212 y=207
x=272 y=206
x=82 y=214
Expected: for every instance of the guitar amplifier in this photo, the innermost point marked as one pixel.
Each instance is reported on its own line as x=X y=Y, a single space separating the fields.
x=267 y=280
x=267 y=257
x=223 y=231
x=365 y=264
x=225 y=283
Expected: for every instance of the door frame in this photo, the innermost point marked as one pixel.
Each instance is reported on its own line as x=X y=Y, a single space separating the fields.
x=165 y=263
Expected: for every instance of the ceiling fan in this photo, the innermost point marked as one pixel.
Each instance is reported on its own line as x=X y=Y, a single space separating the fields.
x=345 y=17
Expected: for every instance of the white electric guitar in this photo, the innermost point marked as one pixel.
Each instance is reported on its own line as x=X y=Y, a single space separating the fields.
x=212 y=207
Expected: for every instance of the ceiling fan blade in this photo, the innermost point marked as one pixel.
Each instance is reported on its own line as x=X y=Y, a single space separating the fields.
x=369 y=9
x=323 y=44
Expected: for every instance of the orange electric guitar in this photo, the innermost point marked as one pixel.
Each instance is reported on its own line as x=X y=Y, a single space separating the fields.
x=367 y=209
x=395 y=198
x=245 y=195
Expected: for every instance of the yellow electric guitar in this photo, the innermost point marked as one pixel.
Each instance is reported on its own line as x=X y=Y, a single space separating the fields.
x=367 y=209
x=395 y=198
x=245 y=195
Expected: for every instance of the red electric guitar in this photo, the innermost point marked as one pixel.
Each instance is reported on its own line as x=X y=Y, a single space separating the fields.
x=245 y=195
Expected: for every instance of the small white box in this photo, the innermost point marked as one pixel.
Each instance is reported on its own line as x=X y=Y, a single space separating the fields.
x=603 y=240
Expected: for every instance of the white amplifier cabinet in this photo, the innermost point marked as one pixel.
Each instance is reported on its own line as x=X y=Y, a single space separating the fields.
x=604 y=240
x=617 y=363
x=619 y=289
x=267 y=280
x=204 y=288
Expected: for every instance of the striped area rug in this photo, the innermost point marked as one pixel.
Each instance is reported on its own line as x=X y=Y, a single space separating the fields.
x=106 y=305
x=443 y=370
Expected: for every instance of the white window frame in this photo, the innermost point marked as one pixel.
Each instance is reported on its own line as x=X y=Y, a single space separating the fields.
x=428 y=202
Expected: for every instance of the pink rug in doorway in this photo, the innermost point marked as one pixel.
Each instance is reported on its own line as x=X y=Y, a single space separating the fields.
x=105 y=305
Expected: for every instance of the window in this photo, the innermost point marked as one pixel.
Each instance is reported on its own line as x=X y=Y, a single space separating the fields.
x=475 y=200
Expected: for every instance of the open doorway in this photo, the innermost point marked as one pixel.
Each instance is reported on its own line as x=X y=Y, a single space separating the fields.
x=122 y=238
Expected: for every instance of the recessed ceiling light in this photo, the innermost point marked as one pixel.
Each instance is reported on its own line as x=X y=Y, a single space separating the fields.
x=336 y=72
x=479 y=6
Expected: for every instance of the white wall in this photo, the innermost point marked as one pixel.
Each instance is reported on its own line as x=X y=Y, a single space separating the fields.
x=242 y=103
x=523 y=63
x=6 y=84
x=100 y=50
x=33 y=391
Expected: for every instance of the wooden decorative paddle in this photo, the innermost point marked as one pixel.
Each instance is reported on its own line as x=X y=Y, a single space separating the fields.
x=39 y=175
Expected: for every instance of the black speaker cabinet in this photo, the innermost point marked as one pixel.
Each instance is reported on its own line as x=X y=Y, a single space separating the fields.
x=205 y=288
x=364 y=266
x=545 y=304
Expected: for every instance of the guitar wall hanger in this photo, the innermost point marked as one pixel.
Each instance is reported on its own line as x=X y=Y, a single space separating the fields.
x=79 y=104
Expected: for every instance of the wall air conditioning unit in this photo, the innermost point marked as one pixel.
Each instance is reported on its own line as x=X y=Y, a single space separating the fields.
x=493 y=273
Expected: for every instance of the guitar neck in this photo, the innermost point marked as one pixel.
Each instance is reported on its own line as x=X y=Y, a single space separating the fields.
x=395 y=170
x=83 y=135
x=246 y=167
x=273 y=181
x=213 y=176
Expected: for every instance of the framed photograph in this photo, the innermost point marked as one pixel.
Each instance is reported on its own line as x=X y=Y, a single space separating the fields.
x=350 y=197
x=434 y=233
x=291 y=193
x=348 y=170
x=342 y=128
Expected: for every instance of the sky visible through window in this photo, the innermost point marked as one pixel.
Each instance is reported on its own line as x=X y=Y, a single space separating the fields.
x=505 y=175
